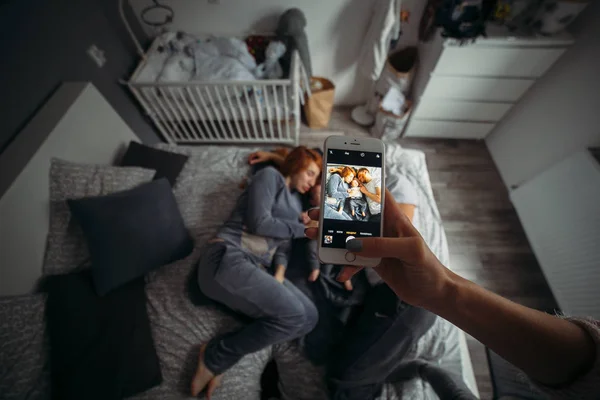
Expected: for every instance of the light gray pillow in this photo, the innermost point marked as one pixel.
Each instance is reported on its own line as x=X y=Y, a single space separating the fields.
x=24 y=367
x=66 y=248
x=208 y=186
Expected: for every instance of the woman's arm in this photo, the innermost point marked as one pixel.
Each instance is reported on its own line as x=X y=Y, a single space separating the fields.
x=408 y=210
x=551 y=350
x=333 y=186
x=280 y=260
x=261 y=197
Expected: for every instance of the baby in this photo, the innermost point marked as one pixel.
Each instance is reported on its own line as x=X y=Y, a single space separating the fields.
x=356 y=201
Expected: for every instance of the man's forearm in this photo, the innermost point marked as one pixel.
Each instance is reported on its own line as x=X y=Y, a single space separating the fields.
x=550 y=350
x=373 y=197
x=277 y=159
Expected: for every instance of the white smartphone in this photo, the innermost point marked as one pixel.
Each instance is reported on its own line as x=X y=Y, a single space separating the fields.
x=352 y=197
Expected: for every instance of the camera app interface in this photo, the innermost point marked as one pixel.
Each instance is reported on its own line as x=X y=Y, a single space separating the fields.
x=352 y=203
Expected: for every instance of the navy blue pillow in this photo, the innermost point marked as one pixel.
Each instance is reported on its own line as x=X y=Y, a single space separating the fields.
x=132 y=232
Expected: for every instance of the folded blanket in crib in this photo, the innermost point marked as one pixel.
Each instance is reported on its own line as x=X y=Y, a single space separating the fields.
x=212 y=59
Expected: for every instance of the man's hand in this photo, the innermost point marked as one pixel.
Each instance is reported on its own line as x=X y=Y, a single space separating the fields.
x=363 y=189
x=259 y=157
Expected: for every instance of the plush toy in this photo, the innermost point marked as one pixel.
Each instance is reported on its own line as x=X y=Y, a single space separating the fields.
x=257 y=44
x=271 y=69
x=290 y=31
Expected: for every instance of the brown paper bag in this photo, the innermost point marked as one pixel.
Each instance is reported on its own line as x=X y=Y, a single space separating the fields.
x=317 y=107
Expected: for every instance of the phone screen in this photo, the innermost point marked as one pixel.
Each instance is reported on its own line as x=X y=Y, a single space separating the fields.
x=350 y=207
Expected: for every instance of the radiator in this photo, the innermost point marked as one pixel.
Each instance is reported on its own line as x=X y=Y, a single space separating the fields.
x=560 y=212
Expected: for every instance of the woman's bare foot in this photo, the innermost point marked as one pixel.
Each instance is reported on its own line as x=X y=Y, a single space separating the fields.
x=204 y=378
x=364 y=214
x=353 y=213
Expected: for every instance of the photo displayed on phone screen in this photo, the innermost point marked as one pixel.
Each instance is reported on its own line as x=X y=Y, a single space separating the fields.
x=352 y=203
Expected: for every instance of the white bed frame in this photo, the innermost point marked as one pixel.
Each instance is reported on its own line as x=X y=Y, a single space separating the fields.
x=229 y=112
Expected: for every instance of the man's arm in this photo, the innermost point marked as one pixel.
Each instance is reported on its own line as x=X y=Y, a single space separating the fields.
x=276 y=156
x=375 y=197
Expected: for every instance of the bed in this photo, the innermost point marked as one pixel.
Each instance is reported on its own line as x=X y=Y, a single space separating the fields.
x=216 y=106
x=299 y=379
x=206 y=191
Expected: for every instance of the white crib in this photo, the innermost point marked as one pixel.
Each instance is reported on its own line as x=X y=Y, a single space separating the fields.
x=193 y=112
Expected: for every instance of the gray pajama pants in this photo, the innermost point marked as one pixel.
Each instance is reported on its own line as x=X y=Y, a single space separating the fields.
x=281 y=312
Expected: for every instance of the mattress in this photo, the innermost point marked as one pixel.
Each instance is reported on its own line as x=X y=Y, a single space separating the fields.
x=207 y=190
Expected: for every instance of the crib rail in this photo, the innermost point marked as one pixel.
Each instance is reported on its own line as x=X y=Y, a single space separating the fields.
x=260 y=111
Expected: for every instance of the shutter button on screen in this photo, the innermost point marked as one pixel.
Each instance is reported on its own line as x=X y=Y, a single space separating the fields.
x=350 y=257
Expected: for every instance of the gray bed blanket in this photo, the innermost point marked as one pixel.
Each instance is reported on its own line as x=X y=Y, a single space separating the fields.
x=206 y=191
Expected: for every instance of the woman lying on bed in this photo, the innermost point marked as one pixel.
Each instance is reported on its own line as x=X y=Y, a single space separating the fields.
x=233 y=268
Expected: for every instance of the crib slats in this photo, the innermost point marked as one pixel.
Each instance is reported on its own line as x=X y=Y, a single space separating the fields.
x=216 y=113
x=173 y=114
x=155 y=113
x=178 y=120
x=225 y=113
x=201 y=133
x=168 y=117
x=243 y=113
x=259 y=111
x=182 y=106
x=189 y=113
x=177 y=112
x=265 y=89
x=277 y=111
x=251 y=111
x=238 y=131
x=209 y=117
x=221 y=112
x=287 y=112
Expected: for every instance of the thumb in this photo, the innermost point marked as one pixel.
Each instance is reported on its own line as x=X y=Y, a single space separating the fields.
x=383 y=247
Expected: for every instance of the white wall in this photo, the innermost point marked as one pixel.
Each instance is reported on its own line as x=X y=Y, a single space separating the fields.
x=88 y=131
x=559 y=115
x=335 y=31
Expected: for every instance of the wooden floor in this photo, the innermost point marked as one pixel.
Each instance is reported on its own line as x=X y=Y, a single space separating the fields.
x=487 y=243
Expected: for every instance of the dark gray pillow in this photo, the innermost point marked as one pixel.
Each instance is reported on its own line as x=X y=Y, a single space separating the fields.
x=167 y=164
x=132 y=232
x=24 y=366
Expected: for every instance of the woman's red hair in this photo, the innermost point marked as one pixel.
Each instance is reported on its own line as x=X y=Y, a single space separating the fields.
x=346 y=171
x=298 y=160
